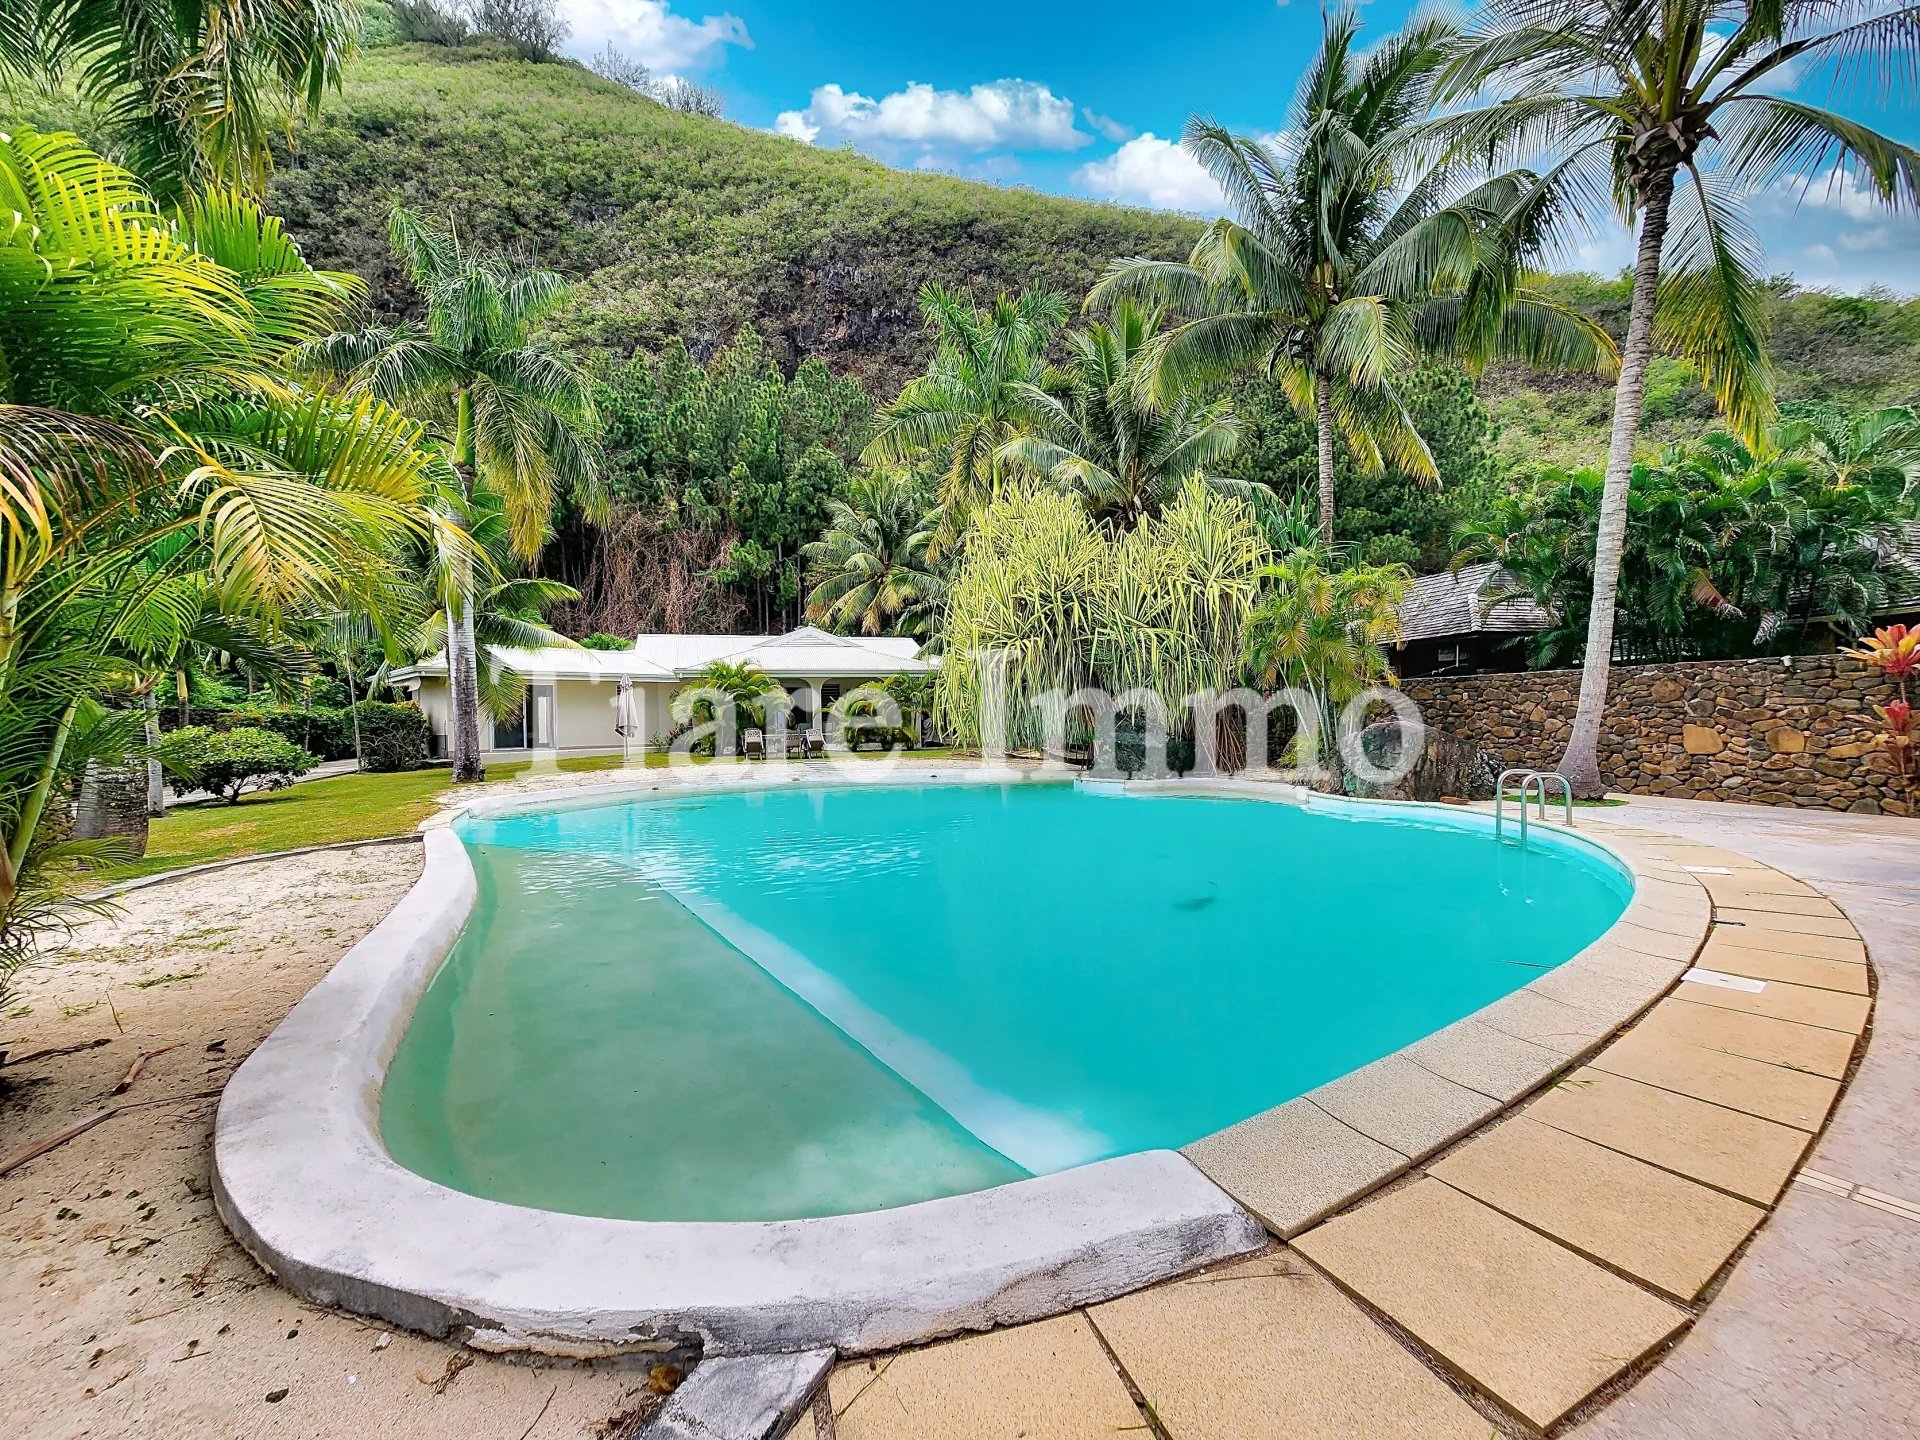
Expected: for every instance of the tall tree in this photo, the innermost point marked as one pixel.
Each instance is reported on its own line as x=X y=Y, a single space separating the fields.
x=192 y=91
x=870 y=568
x=1104 y=441
x=968 y=405
x=1657 y=112
x=516 y=414
x=1344 y=259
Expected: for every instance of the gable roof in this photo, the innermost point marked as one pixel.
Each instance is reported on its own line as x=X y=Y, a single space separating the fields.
x=810 y=651
x=1454 y=602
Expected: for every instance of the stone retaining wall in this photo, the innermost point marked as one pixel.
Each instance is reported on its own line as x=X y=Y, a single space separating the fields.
x=1798 y=731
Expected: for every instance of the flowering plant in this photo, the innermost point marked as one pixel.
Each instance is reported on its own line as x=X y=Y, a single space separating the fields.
x=1898 y=736
x=1894 y=650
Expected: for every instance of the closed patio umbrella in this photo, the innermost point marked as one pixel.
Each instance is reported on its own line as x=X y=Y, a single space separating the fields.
x=626 y=719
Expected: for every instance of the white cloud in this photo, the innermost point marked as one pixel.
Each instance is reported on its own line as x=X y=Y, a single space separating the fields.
x=1839 y=190
x=651 y=33
x=1880 y=237
x=1007 y=114
x=1106 y=126
x=1819 y=254
x=1150 y=171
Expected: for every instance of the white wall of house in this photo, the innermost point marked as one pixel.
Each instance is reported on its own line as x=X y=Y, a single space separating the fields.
x=582 y=716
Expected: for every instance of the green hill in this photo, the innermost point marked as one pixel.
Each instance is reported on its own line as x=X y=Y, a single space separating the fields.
x=678 y=224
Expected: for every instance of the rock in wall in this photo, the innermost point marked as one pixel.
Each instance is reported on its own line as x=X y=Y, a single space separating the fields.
x=1798 y=730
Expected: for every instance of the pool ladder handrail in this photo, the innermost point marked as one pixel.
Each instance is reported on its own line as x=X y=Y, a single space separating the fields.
x=1529 y=779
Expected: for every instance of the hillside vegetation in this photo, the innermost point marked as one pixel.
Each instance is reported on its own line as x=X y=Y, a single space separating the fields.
x=682 y=226
x=678 y=225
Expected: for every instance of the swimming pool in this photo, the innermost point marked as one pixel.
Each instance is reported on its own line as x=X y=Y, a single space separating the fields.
x=810 y=1001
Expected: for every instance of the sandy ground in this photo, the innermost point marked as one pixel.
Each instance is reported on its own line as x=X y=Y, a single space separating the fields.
x=125 y=1307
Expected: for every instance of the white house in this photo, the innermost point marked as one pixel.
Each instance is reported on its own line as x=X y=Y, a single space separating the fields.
x=575 y=704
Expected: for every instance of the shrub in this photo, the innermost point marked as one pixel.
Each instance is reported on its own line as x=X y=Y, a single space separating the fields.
x=226 y=762
x=325 y=731
x=392 y=737
x=601 y=640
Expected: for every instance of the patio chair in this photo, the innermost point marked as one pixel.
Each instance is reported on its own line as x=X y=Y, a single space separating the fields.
x=816 y=745
x=754 y=745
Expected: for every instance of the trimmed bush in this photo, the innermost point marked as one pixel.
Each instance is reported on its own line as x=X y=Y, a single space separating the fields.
x=392 y=737
x=228 y=762
x=326 y=732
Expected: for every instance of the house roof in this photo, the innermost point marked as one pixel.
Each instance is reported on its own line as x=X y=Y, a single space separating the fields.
x=557 y=662
x=804 y=654
x=1454 y=602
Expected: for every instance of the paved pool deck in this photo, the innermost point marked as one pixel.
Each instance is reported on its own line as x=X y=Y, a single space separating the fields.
x=1534 y=1277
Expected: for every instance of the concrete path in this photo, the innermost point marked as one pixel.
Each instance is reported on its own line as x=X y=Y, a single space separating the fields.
x=1497 y=1289
x=1817 y=1333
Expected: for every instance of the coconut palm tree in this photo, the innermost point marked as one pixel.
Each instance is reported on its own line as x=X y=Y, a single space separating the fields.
x=1123 y=456
x=1657 y=113
x=516 y=414
x=1344 y=258
x=870 y=567
x=985 y=366
x=192 y=91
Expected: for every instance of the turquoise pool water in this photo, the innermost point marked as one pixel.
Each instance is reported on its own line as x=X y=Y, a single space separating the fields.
x=810 y=1001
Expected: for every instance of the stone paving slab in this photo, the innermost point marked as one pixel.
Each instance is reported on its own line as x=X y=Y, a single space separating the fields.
x=1849 y=976
x=1408 y=1109
x=1669 y=1232
x=1727 y=1149
x=1567 y=1030
x=1516 y=1314
x=1269 y=1349
x=1492 y=1062
x=1733 y=889
x=1802 y=1004
x=1774 y=903
x=1293 y=1164
x=1047 y=1381
x=1827 y=927
x=1758 y=1037
x=1772 y=1092
x=1761 y=936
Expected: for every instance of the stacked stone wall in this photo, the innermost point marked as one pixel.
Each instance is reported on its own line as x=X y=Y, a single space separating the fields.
x=1796 y=731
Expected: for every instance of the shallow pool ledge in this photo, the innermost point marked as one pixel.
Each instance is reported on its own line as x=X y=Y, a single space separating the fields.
x=302 y=1179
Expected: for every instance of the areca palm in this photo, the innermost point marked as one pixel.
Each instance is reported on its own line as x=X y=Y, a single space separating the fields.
x=1125 y=457
x=1878 y=451
x=516 y=414
x=193 y=91
x=985 y=366
x=1323 y=630
x=870 y=567
x=159 y=480
x=1345 y=259
x=1657 y=113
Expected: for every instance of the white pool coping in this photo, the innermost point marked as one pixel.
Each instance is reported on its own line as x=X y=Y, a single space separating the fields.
x=302 y=1178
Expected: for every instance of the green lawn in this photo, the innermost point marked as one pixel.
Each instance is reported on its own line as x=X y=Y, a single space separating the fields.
x=325 y=812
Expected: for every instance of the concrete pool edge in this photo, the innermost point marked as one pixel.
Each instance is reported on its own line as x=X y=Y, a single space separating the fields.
x=302 y=1179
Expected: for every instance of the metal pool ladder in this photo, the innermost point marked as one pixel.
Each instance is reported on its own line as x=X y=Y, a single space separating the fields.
x=1537 y=781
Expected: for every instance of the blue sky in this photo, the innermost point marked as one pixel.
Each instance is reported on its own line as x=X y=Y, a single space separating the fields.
x=1083 y=98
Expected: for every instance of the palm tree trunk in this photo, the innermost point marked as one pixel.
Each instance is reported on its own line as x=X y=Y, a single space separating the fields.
x=1323 y=427
x=156 y=777
x=1581 y=764
x=463 y=681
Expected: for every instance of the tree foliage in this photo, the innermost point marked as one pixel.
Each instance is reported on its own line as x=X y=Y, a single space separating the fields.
x=1728 y=552
x=736 y=450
